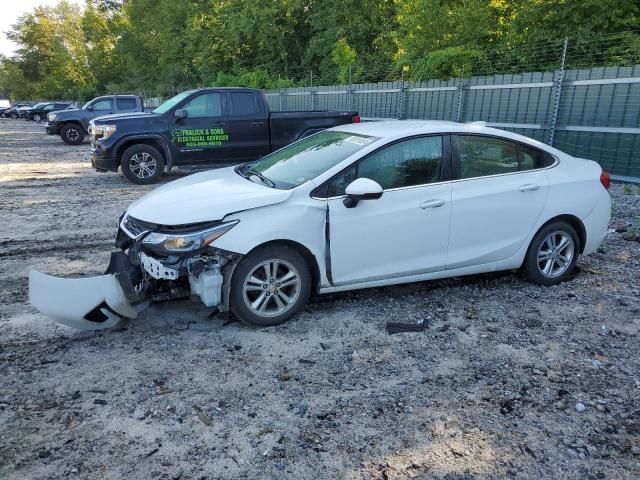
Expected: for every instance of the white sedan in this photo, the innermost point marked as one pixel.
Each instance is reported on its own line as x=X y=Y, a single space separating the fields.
x=356 y=206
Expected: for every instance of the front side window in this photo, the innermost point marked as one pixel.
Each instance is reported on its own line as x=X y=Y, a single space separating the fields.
x=417 y=161
x=206 y=105
x=103 y=105
x=304 y=160
x=49 y=107
x=172 y=102
x=480 y=156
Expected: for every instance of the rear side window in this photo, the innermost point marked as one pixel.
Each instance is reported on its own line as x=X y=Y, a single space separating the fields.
x=480 y=156
x=126 y=103
x=417 y=161
x=243 y=104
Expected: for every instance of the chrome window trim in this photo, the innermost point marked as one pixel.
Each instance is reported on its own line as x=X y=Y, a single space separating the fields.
x=553 y=165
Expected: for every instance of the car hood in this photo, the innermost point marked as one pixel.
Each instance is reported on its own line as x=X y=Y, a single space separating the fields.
x=104 y=119
x=203 y=197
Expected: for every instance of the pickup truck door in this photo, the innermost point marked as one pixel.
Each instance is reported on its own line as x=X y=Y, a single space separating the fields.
x=202 y=137
x=247 y=126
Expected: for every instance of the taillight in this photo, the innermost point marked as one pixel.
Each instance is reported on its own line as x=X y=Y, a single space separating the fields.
x=605 y=180
x=355 y=119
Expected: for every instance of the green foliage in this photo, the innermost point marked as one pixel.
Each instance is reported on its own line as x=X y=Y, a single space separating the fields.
x=163 y=46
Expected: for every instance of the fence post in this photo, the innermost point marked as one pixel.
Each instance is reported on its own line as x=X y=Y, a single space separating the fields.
x=556 y=102
x=349 y=92
x=461 y=86
x=401 y=98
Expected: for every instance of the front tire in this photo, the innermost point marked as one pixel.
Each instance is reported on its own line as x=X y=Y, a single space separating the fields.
x=13 y=115
x=270 y=285
x=72 y=134
x=552 y=254
x=142 y=164
x=37 y=118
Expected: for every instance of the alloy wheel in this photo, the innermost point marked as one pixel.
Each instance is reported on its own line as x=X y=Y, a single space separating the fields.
x=271 y=288
x=72 y=134
x=143 y=165
x=555 y=254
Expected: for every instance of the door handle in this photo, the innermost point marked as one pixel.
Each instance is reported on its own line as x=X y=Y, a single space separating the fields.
x=257 y=124
x=431 y=204
x=529 y=187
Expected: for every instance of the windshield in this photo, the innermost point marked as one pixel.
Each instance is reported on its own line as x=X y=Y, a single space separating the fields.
x=172 y=102
x=299 y=162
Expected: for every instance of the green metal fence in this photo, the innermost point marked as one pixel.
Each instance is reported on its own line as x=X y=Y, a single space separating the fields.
x=591 y=113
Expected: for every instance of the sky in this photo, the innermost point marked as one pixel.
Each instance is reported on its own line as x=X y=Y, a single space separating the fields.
x=10 y=10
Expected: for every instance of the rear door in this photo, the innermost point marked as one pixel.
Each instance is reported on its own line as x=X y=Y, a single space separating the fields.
x=247 y=126
x=496 y=201
x=202 y=136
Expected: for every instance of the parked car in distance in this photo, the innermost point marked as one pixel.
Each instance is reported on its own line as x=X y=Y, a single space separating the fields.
x=356 y=206
x=214 y=126
x=73 y=124
x=23 y=111
x=4 y=105
x=37 y=113
x=12 y=112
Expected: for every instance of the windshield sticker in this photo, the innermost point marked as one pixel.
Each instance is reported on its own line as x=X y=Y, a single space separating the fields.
x=359 y=140
x=194 y=137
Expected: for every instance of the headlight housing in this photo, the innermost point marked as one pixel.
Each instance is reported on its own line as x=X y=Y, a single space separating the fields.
x=51 y=117
x=168 y=243
x=104 y=131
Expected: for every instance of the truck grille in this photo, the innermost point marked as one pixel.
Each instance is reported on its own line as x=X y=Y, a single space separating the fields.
x=134 y=227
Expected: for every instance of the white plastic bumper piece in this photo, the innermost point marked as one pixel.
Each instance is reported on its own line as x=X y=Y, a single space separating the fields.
x=91 y=303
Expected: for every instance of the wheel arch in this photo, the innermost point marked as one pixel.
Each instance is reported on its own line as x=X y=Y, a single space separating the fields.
x=150 y=141
x=575 y=222
x=309 y=258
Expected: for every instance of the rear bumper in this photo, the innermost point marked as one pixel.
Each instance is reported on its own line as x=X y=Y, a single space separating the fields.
x=597 y=223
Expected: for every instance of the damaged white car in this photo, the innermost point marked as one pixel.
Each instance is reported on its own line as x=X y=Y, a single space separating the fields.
x=357 y=206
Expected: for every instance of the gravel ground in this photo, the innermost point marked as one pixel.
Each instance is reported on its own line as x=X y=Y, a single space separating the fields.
x=508 y=380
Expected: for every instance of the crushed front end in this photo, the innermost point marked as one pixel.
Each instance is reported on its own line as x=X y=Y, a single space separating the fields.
x=153 y=263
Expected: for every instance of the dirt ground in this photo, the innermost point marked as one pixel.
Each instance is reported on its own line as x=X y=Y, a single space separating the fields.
x=508 y=380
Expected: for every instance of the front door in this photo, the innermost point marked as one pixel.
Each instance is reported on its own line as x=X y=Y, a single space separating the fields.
x=500 y=194
x=405 y=232
x=202 y=136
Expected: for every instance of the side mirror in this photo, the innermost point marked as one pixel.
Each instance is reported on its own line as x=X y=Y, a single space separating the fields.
x=181 y=114
x=362 y=189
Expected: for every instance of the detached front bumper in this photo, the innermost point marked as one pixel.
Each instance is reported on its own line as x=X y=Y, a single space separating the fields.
x=91 y=303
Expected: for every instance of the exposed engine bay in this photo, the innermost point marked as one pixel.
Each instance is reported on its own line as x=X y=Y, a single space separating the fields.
x=154 y=263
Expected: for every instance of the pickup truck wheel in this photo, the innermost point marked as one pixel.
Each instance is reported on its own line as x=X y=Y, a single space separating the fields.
x=72 y=134
x=142 y=164
x=270 y=285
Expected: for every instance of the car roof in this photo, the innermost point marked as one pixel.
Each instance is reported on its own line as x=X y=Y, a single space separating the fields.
x=394 y=129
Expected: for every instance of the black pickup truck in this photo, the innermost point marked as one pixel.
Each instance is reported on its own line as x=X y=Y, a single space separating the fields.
x=72 y=124
x=210 y=126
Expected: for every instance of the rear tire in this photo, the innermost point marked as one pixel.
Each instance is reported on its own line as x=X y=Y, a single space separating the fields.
x=72 y=134
x=552 y=254
x=37 y=118
x=142 y=164
x=270 y=285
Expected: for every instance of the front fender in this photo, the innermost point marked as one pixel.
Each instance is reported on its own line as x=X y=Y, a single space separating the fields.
x=118 y=147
